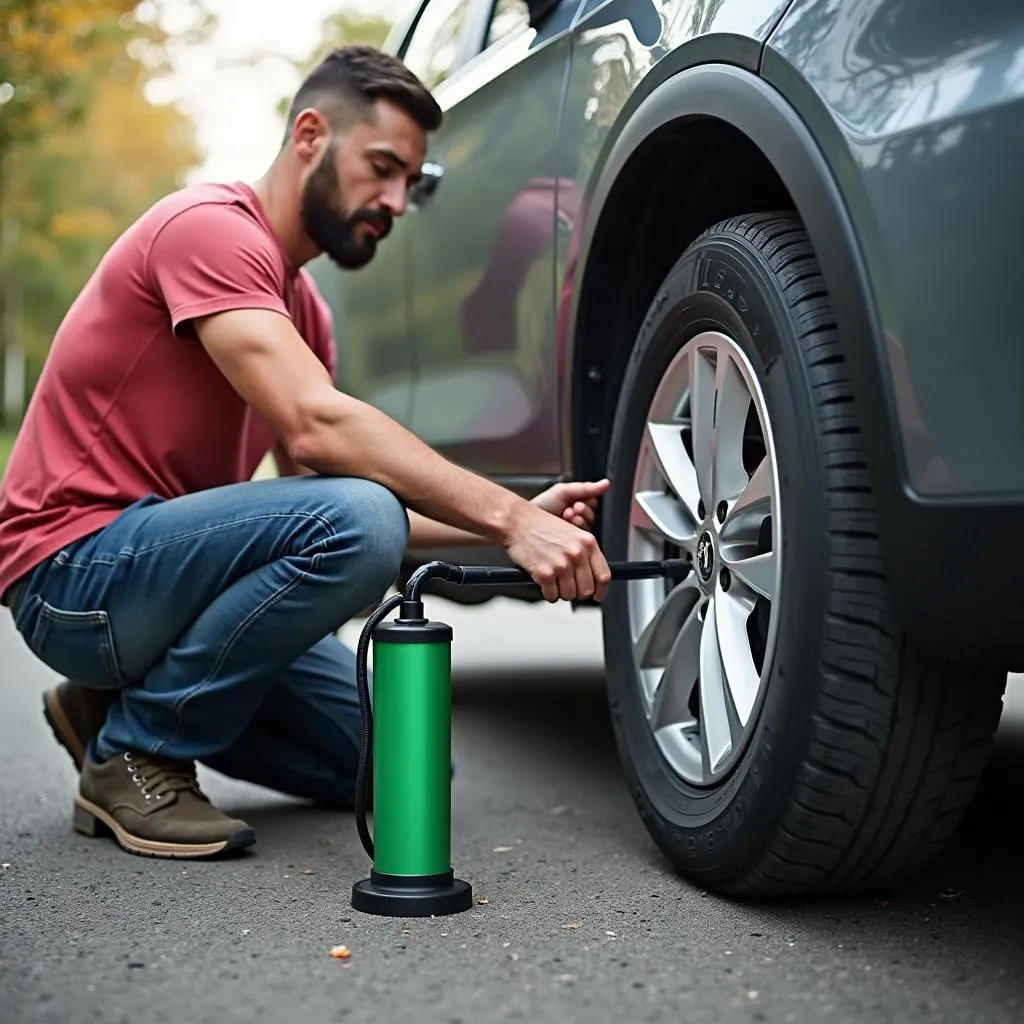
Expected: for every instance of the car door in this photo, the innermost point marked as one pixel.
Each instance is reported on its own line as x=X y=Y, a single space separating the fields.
x=482 y=244
x=371 y=306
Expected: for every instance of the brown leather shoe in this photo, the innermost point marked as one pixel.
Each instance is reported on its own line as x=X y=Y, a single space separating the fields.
x=76 y=714
x=154 y=807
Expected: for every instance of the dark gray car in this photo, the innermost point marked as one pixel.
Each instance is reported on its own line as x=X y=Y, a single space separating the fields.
x=760 y=261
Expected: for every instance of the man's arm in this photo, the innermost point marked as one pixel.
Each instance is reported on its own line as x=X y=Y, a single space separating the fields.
x=286 y=465
x=423 y=532
x=270 y=366
x=429 y=533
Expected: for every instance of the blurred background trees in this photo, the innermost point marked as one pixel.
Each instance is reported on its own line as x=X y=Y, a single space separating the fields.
x=85 y=146
x=350 y=25
x=83 y=151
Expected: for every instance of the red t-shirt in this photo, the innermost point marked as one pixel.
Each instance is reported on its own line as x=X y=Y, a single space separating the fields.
x=129 y=403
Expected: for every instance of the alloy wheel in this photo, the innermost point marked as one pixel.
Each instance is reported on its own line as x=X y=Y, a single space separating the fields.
x=706 y=488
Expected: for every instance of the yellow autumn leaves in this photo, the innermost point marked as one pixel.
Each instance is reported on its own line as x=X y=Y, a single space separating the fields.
x=82 y=150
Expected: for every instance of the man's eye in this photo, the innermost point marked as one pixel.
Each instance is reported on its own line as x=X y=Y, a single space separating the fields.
x=381 y=170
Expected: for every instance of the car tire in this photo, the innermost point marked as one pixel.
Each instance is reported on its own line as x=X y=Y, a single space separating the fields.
x=858 y=754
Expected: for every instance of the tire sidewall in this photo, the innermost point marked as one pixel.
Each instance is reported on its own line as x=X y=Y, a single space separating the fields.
x=723 y=284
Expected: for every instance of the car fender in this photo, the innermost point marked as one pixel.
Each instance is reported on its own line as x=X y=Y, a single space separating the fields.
x=738 y=97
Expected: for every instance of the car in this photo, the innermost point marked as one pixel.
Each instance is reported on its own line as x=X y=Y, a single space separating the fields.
x=757 y=262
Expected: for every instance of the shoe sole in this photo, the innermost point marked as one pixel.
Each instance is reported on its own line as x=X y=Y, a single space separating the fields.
x=93 y=821
x=62 y=729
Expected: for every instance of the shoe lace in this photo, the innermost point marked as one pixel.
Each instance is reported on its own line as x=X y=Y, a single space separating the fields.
x=157 y=777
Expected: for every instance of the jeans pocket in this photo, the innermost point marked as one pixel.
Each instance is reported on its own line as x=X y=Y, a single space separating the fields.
x=77 y=645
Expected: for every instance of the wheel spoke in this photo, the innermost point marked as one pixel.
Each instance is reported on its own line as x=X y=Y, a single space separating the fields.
x=753 y=505
x=671 y=704
x=731 y=407
x=662 y=518
x=741 y=676
x=653 y=646
x=715 y=731
x=702 y=420
x=703 y=651
x=665 y=444
x=756 y=572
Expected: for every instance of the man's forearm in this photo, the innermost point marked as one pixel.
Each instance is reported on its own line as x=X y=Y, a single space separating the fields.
x=353 y=438
x=429 y=533
x=423 y=532
x=286 y=465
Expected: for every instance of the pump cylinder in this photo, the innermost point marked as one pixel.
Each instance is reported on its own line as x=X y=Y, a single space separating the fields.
x=412 y=728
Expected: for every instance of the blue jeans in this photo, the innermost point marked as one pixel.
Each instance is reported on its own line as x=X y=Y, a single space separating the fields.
x=213 y=617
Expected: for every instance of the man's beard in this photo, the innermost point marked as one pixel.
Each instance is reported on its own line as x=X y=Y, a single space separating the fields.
x=333 y=231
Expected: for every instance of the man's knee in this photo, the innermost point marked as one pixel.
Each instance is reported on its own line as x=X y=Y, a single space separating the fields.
x=372 y=534
x=384 y=527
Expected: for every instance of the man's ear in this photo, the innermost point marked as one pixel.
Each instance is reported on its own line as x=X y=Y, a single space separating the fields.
x=310 y=134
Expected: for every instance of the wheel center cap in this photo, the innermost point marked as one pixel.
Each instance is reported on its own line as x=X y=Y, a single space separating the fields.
x=705 y=556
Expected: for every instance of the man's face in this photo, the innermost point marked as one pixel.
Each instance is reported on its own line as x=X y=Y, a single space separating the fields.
x=360 y=184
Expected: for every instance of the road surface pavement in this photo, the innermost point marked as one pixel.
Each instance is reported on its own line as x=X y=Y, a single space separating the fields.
x=577 y=919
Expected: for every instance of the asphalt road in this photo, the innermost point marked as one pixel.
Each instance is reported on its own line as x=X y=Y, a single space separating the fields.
x=583 y=922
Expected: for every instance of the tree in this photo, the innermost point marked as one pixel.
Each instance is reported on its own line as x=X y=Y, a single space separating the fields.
x=82 y=151
x=80 y=188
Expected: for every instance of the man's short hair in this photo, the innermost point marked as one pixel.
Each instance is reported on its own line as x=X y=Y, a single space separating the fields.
x=345 y=85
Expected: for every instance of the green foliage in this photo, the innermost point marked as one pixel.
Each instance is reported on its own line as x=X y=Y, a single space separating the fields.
x=82 y=150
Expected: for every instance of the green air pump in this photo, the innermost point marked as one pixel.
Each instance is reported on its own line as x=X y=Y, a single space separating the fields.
x=407 y=734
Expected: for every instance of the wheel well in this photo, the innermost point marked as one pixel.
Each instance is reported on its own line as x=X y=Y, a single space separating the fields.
x=663 y=199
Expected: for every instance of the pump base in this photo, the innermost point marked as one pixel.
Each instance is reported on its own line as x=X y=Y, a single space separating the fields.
x=412 y=895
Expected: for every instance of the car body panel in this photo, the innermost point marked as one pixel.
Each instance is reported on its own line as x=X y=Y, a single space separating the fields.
x=482 y=258
x=894 y=126
x=623 y=52
x=919 y=108
x=370 y=309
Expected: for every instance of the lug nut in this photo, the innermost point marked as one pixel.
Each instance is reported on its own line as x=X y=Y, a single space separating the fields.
x=723 y=509
x=725 y=579
x=700 y=509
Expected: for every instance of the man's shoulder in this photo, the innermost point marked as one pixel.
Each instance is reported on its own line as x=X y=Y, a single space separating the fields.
x=211 y=198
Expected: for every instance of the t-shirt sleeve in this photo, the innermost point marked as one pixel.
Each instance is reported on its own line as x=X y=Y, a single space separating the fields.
x=211 y=258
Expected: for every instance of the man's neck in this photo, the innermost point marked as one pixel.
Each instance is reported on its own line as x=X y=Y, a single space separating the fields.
x=280 y=201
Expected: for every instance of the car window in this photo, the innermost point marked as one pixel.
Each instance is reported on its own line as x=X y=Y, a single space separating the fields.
x=509 y=18
x=432 y=47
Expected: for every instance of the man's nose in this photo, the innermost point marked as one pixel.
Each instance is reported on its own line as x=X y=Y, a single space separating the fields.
x=395 y=198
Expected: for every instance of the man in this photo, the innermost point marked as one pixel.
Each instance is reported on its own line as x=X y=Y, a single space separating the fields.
x=196 y=610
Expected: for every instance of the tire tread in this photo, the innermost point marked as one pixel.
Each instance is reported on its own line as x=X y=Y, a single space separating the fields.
x=898 y=742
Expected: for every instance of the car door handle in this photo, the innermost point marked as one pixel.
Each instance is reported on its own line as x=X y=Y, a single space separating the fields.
x=430 y=178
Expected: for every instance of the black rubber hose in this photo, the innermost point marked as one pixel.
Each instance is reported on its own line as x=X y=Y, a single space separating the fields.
x=364 y=773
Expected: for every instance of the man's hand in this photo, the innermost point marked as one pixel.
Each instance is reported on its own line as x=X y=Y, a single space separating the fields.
x=575 y=502
x=271 y=367
x=562 y=558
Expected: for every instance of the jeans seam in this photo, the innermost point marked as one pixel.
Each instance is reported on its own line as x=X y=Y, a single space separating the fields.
x=195 y=690
x=165 y=542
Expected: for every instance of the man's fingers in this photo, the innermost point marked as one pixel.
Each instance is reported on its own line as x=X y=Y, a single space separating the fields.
x=567 y=582
x=602 y=574
x=579 y=514
x=584 y=579
x=591 y=491
x=548 y=582
x=579 y=490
